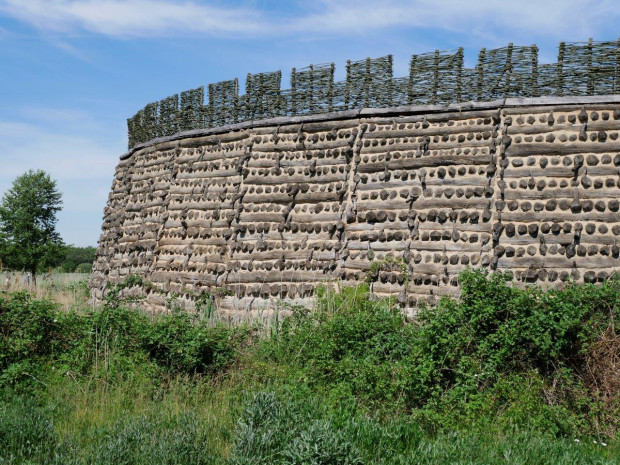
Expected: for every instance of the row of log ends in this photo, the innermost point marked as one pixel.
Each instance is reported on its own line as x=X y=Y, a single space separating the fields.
x=404 y=203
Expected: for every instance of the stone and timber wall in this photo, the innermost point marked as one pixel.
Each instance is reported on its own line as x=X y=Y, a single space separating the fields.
x=405 y=198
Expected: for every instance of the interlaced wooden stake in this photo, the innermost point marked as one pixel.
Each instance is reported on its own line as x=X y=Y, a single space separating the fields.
x=590 y=86
x=534 y=78
x=480 y=69
x=367 y=78
x=508 y=68
x=560 y=69
x=459 y=74
x=617 y=69
x=412 y=64
x=294 y=91
x=438 y=77
x=330 y=89
x=390 y=86
x=435 y=78
x=347 y=90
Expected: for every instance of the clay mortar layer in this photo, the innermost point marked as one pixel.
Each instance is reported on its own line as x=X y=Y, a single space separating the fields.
x=256 y=215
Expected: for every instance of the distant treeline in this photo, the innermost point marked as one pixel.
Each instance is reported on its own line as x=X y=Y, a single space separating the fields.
x=78 y=259
x=589 y=68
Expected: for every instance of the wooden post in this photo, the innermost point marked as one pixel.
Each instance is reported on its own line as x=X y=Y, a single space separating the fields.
x=534 y=80
x=293 y=92
x=235 y=103
x=367 y=77
x=347 y=86
x=590 y=77
x=390 y=89
x=459 y=74
x=330 y=89
x=435 y=77
x=248 y=110
x=312 y=105
x=560 y=71
x=411 y=75
x=508 y=68
x=480 y=69
x=617 y=69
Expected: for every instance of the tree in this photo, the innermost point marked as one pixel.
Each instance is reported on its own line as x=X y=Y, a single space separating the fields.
x=28 y=237
x=75 y=256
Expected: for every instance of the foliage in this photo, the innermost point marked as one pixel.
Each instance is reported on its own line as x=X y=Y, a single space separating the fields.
x=272 y=432
x=108 y=342
x=84 y=268
x=26 y=432
x=78 y=257
x=184 y=344
x=28 y=237
x=350 y=342
x=30 y=332
x=28 y=435
x=523 y=346
x=280 y=430
x=391 y=264
x=500 y=375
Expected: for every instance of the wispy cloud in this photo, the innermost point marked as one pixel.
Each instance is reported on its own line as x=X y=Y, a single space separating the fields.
x=556 y=17
x=154 y=18
x=131 y=18
x=65 y=155
x=75 y=157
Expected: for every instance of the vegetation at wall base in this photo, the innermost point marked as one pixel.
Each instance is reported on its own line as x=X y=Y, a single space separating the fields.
x=502 y=375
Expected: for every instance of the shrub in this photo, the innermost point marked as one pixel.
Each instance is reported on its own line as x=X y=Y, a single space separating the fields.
x=495 y=348
x=84 y=268
x=186 y=345
x=31 y=332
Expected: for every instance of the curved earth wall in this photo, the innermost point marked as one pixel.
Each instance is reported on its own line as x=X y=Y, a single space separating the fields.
x=256 y=215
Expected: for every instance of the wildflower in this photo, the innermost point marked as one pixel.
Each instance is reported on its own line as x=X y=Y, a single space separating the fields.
x=604 y=444
x=576 y=440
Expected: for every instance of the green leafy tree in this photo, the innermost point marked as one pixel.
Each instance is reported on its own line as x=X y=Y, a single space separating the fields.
x=77 y=257
x=28 y=237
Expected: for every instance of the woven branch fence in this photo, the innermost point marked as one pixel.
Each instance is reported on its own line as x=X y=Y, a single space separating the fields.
x=582 y=68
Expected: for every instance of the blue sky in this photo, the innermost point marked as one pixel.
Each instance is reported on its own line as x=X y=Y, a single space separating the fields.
x=72 y=71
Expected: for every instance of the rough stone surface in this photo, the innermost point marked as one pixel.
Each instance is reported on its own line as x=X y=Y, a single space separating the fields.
x=269 y=211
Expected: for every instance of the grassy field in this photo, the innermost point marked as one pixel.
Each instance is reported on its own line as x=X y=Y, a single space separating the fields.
x=501 y=376
x=66 y=289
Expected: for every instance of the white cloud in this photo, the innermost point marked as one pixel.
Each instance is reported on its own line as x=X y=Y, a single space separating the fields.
x=127 y=18
x=66 y=156
x=76 y=156
x=560 y=19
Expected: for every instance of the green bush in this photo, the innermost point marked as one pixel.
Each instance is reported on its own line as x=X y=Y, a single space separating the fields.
x=84 y=268
x=109 y=341
x=352 y=342
x=499 y=375
x=75 y=257
x=524 y=346
x=186 y=345
x=32 y=331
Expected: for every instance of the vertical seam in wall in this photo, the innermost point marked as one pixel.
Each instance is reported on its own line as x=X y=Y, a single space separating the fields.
x=500 y=142
x=347 y=207
x=496 y=182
